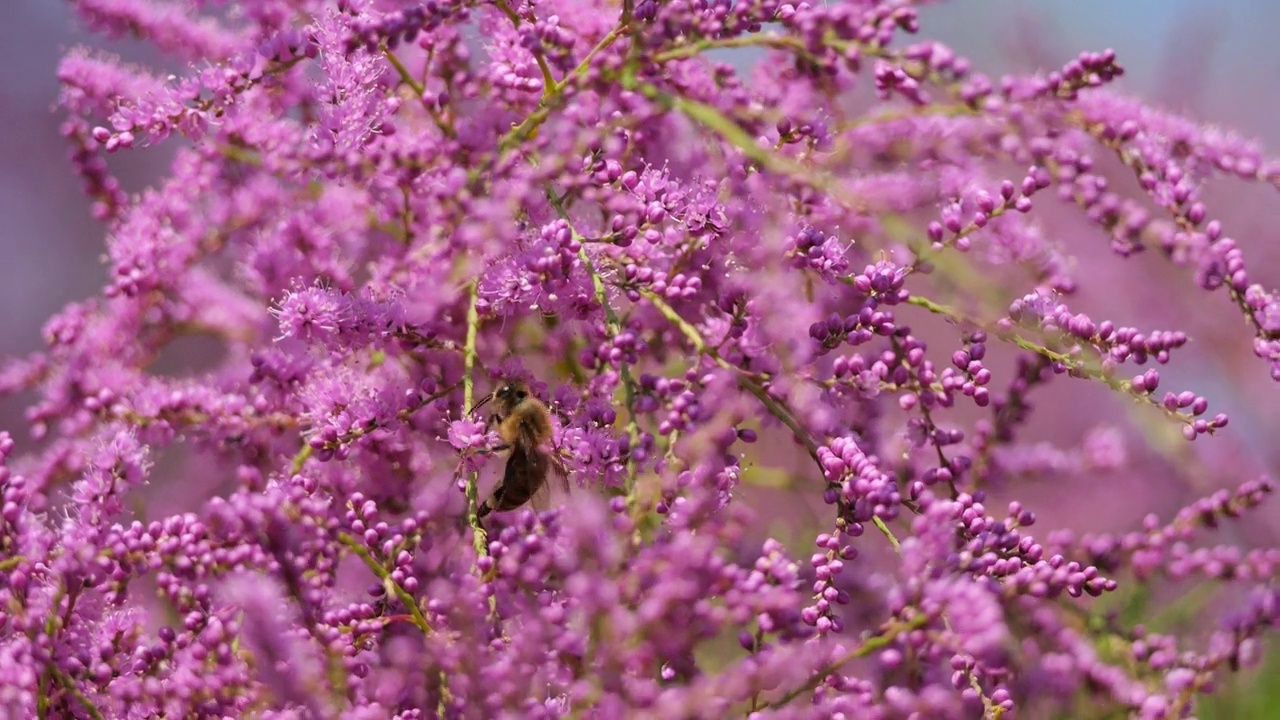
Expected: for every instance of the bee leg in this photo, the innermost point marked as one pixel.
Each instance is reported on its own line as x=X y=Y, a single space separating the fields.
x=494 y=502
x=489 y=450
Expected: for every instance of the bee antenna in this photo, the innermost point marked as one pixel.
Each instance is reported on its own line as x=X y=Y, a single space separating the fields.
x=480 y=404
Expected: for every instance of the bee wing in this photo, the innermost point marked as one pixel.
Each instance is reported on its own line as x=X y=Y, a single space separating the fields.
x=525 y=474
x=541 y=499
x=561 y=471
x=551 y=454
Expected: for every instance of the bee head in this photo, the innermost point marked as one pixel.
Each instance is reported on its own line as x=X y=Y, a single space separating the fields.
x=512 y=393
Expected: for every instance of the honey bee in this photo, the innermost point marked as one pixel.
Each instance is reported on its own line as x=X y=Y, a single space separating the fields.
x=524 y=424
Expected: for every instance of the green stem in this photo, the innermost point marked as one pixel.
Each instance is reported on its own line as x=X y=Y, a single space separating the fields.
x=408 y=600
x=745 y=379
x=300 y=459
x=867 y=647
x=548 y=80
x=405 y=76
x=418 y=89
x=725 y=126
x=615 y=327
x=69 y=685
x=884 y=530
x=770 y=40
x=529 y=126
x=1079 y=367
x=468 y=397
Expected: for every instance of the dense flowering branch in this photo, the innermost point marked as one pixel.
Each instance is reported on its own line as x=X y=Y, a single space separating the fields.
x=711 y=278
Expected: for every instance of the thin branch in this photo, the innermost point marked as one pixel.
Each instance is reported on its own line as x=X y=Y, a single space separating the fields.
x=406 y=599
x=478 y=537
x=867 y=647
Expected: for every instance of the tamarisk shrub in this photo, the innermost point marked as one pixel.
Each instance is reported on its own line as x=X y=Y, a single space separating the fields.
x=839 y=272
